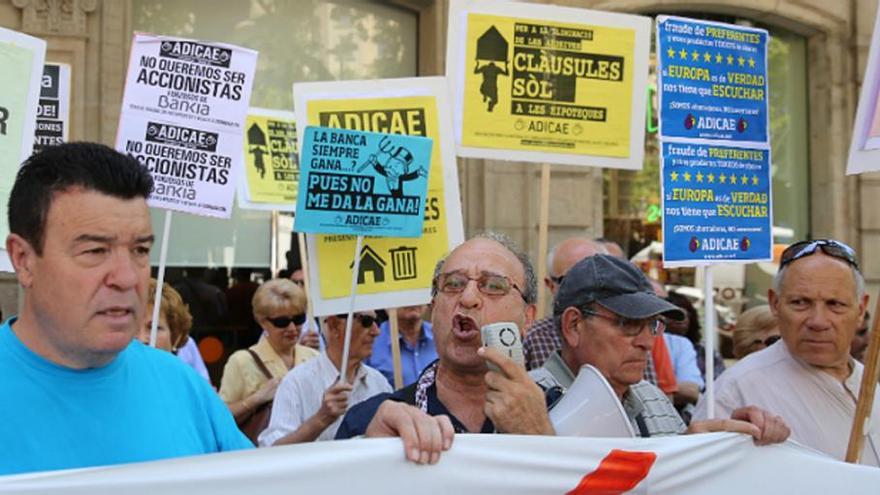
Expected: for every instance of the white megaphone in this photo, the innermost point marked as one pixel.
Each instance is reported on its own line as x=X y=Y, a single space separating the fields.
x=590 y=408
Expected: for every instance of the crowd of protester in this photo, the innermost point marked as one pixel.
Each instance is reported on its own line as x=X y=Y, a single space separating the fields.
x=85 y=273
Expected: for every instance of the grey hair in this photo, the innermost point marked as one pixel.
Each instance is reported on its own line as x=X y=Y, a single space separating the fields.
x=857 y=276
x=529 y=292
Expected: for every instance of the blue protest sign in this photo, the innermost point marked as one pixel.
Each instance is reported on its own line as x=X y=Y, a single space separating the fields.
x=362 y=183
x=712 y=81
x=717 y=203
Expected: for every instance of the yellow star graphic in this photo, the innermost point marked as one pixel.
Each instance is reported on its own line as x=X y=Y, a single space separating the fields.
x=674 y=176
x=682 y=53
x=718 y=58
x=699 y=177
x=722 y=178
x=687 y=176
x=710 y=177
x=741 y=61
x=695 y=55
x=730 y=60
x=754 y=180
x=751 y=62
x=743 y=179
x=707 y=57
x=670 y=52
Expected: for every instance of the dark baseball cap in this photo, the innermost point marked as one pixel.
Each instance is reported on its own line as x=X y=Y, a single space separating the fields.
x=615 y=284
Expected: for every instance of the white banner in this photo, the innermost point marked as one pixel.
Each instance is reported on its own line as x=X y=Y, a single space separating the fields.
x=717 y=463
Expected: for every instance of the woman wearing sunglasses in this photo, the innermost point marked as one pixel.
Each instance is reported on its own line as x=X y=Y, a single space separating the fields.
x=252 y=375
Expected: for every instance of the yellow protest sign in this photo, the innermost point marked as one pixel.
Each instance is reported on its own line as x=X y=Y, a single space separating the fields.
x=395 y=271
x=271 y=166
x=546 y=82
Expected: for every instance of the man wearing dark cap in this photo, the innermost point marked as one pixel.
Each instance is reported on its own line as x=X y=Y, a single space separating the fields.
x=608 y=316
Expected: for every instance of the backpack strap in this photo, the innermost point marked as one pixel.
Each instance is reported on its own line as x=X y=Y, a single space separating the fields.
x=260 y=364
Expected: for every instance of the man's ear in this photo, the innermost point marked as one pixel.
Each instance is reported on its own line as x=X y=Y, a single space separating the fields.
x=773 y=302
x=332 y=325
x=22 y=255
x=530 y=312
x=863 y=306
x=569 y=323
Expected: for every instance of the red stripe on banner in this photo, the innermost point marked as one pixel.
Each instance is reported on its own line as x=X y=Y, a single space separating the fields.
x=619 y=471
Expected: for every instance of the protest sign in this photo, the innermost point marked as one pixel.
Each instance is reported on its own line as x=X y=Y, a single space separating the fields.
x=21 y=59
x=53 y=113
x=271 y=163
x=711 y=463
x=548 y=84
x=715 y=144
x=864 y=150
x=393 y=271
x=183 y=117
x=713 y=81
x=717 y=202
x=362 y=183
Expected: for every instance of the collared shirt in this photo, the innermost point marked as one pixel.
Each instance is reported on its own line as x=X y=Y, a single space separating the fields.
x=542 y=340
x=413 y=358
x=301 y=392
x=358 y=417
x=646 y=406
x=684 y=359
x=817 y=407
x=242 y=376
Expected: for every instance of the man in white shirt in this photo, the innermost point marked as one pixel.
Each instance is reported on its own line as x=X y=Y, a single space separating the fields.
x=808 y=378
x=311 y=400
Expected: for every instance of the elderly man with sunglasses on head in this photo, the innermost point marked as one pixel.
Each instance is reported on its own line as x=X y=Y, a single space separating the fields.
x=809 y=378
x=311 y=399
x=608 y=316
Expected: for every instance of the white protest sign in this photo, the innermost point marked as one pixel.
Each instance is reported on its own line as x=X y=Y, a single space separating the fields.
x=53 y=113
x=548 y=84
x=864 y=150
x=21 y=66
x=183 y=117
x=714 y=463
x=395 y=271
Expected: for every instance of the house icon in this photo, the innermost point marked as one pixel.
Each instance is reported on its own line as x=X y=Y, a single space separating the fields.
x=370 y=262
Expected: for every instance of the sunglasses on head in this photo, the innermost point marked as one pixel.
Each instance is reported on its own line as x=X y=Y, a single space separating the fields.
x=366 y=321
x=831 y=247
x=284 y=321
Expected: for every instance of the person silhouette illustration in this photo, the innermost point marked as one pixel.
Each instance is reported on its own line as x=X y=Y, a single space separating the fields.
x=489 y=87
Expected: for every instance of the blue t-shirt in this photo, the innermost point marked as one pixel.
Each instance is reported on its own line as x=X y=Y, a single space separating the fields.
x=413 y=359
x=144 y=405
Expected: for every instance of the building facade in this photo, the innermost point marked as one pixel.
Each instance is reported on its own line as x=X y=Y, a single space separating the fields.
x=821 y=47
